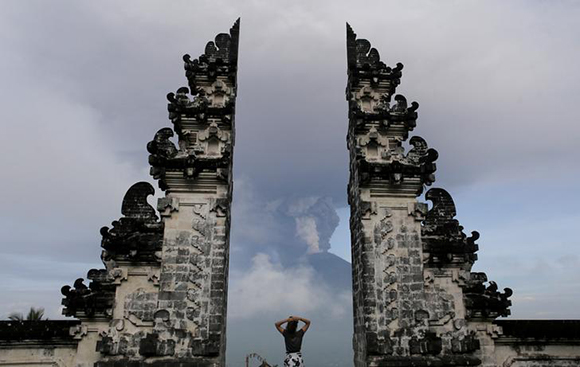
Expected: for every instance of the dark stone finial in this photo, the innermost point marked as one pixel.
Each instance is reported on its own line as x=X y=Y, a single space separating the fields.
x=161 y=146
x=196 y=108
x=362 y=57
x=398 y=68
x=443 y=210
x=89 y=301
x=235 y=41
x=138 y=235
x=400 y=104
x=424 y=157
x=402 y=113
x=366 y=56
x=360 y=53
x=483 y=301
x=443 y=237
x=419 y=149
x=350 y=46
x=224 y=48
x=135 y=203
x=220 y=57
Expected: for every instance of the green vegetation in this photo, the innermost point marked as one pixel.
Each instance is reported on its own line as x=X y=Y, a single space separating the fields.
x=35 y=314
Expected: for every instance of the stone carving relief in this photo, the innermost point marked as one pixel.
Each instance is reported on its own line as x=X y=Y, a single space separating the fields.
x=140 y=306
x=374 y=145
x=93 y=300
x=215 y=139
x=138 y=235
x=220 y=56
x=367 y=99
x=443 y=237
x=219 y=95
x=185 y=161
x=167 y=206
x=485 y=302
x=181 y=104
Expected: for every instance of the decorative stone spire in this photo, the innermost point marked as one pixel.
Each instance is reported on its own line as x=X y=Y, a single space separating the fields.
x=364 y=61
x=196 y=175
x=202 y=116
x=415 y=301
x=93 y=301
x=443 y=239
x=379 y=127
x=138 y=236
x=162 y=298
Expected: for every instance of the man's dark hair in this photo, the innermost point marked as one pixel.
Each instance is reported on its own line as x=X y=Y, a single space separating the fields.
x=292 y=325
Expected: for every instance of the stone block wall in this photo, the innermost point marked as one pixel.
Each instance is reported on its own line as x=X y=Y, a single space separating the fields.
x=37 y=343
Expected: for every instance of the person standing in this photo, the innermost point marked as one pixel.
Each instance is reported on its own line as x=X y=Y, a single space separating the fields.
x=293 y=339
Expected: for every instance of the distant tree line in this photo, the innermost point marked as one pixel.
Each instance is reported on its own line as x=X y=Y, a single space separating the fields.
x=34 y=314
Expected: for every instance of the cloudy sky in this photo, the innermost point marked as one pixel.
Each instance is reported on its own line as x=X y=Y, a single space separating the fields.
x=83 y=90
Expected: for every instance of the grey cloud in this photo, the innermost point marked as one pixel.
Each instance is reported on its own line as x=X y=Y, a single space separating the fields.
x=489 y=82
x=491 y=86
x=268 y=288
x=286 y=228
x=268 y=292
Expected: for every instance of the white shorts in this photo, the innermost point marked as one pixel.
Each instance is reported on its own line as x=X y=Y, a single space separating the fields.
x=293 y=360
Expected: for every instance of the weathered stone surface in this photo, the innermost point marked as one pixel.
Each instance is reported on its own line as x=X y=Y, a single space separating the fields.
x=444 y=242
x=410 y=265
x=388 y=286
x=196 y=174
x=49 y=331
x=94 y=300
x=138 y=236
x=537 y=343
x=163 y=294
x=483 y=301
x=416 y=301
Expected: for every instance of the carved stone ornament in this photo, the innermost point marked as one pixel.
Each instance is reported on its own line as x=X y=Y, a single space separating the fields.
x=442 y=235
x=217 y=102
x=165 y=157
x=180 y=104
x=94 y=300
x=418 y=164
x=138 y=234
x=220 y=58
x=485 y=302
x=362 y=56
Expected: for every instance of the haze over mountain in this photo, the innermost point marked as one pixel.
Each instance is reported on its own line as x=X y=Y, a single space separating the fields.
x=283 y=267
